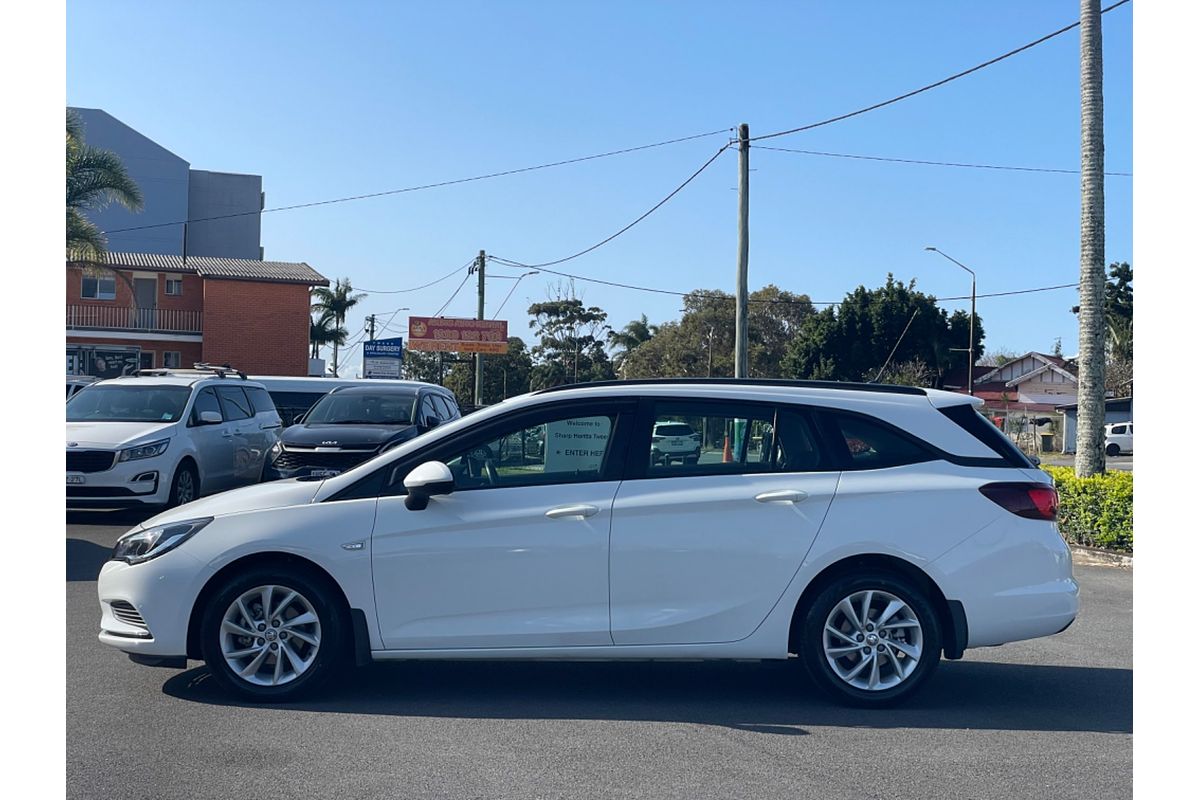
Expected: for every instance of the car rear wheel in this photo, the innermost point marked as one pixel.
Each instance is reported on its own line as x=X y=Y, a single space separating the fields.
x=272 y=635
x=1113 y=450
x=871 y=640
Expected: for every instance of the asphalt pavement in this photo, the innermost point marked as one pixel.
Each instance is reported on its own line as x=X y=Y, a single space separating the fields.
x=1046 y=718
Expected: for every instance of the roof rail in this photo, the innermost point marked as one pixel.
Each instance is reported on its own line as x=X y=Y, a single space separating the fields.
x=220 y=371
x=882 y=388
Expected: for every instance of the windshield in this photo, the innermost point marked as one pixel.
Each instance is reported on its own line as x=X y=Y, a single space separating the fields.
x=128 y=404
x=392 y=408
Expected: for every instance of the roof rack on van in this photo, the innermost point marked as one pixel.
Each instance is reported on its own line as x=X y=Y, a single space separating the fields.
x=220 y=371
x=199 y=367
x=884 y=388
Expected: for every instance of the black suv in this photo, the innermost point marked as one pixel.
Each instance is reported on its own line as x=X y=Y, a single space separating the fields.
x=351 y=424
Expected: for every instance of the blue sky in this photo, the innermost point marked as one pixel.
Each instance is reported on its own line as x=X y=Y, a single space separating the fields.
x=329 y=100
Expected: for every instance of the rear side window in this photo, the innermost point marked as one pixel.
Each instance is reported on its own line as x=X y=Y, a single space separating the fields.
x=234 y=401
x=873 y=445
x=445 y=407
x=976 y=424
x=260 y=400
x=291 y=405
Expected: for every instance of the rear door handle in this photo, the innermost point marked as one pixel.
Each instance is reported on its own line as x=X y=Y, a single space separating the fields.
x=565 y=512
x=782 y=496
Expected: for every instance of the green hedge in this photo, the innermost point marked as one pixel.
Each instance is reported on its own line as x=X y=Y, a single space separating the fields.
x=1095 y=511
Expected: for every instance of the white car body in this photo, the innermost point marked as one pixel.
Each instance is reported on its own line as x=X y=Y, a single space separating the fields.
x=1118 y=435
x=224 y=455
x=655 y=567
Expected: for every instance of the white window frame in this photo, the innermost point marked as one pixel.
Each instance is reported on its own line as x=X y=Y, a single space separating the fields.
x=178 y=359
x=99 y=295
x=167 y=287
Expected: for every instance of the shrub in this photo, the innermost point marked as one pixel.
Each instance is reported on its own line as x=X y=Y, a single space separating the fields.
x=1095 y=511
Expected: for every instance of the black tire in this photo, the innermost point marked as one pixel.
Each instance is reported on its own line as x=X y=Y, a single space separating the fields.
x=185 y=480
x=330 y=656
x=1113 y=450
x=812 y=649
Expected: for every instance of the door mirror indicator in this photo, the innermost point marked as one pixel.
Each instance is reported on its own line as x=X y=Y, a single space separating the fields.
x=430 y=478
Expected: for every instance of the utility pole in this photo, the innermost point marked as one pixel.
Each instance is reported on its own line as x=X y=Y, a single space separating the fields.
x=741 y=350
x=371 y=328
x=479 y=265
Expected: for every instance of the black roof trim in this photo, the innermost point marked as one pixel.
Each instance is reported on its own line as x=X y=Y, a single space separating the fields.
x=881 y=388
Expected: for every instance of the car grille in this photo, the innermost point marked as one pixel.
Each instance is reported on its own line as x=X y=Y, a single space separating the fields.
x=90 y=460
x=127 y=613
x=298 y=459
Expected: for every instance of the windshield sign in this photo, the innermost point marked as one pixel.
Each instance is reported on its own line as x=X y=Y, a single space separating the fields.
x=128 y=404
x=363 y=409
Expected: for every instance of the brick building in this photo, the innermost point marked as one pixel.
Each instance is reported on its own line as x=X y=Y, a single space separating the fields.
x=167 y=311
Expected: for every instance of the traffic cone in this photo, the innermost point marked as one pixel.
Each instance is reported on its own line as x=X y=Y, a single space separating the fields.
x=727 y=456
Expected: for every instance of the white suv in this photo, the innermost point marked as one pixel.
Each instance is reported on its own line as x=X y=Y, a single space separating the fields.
x=166 y=438
x=866 y=529
x=1118 y=438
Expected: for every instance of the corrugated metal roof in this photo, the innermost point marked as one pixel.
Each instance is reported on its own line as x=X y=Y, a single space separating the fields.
x=244 y=269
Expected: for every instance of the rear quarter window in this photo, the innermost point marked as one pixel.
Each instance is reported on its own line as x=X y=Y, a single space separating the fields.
x=966 y=417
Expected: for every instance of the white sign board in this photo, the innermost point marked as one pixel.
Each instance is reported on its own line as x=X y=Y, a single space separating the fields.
x=577 y=445
x=381 y=368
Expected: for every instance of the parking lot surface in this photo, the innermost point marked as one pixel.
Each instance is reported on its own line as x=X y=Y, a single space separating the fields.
x=1046 y=718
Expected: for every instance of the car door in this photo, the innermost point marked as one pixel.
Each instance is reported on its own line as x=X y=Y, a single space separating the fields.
x=702 y=551
x=517 y=555
x=215 y=444
x=264 y=433
x=247 y=465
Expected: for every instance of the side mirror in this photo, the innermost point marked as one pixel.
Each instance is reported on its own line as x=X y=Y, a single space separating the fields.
x=210 y=418
x=430 y=478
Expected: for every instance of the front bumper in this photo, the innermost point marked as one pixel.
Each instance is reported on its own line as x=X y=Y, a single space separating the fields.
x=161 y=592
x=128 y=483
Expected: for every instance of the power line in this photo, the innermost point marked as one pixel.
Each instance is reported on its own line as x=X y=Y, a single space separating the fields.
x=933 y=163
x=897 y=345
x=467 y=277
x=935 y=85
x=608 y=239
x=422 y=286
x=422 y=187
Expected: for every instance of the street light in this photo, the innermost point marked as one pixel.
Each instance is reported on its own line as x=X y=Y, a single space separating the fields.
x=971 y=334
x=513 y=289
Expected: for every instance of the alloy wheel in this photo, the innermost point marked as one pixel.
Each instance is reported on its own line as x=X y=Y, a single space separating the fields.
x=873 y=640
x=270 y=635
x=185 y=487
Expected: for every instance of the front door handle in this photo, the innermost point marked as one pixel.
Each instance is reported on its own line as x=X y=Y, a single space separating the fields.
x=782 y=496
x=565 y=512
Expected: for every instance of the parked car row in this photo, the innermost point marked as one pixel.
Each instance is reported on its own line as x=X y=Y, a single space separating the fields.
x=166 y=437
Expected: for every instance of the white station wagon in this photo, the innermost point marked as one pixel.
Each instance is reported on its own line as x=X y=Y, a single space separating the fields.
x=866 y=530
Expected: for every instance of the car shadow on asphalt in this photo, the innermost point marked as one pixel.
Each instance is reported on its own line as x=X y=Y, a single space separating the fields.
x=84 y=559
x=767 y=697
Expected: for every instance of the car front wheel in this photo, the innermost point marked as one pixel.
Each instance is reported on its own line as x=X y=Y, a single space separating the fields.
x=272 y=635
x=1113 y=450
x=185 y=485
x=871 y=640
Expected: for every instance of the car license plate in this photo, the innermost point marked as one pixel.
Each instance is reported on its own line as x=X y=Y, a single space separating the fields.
x=324 y=473
x=76 y=479
x=677 y=443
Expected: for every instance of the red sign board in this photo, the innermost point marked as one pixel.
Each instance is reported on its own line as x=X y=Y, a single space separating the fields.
x=458 y=335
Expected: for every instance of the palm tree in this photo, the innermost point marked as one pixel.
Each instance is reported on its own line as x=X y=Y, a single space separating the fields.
x=630 y=338
x=95 y=178
x=323 y=331
x=1089 y=450
x=336 y=301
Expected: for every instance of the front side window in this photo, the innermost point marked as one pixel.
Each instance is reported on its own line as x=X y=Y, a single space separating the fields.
x=722 y=438
x=873 y=446
x=99 y=288
x=234 y=402
x=206 y=400
x=569 y=450
x=115 y=403
x=386 y=408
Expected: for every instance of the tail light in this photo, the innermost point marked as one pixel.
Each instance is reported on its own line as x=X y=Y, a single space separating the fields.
x=1029 y=500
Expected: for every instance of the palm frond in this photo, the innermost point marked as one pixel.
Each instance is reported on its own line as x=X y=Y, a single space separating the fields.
x=85 y=242
x=96 y=178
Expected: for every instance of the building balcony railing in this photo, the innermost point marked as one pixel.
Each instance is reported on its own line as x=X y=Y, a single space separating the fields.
x=124 y=318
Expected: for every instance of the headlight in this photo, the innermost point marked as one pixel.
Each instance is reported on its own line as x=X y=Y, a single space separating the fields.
x=144 y=450
x=142 y=545
x=275 y=450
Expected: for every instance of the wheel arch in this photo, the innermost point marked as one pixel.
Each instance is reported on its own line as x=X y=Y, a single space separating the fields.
x=951 y=618
x=269 y=559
